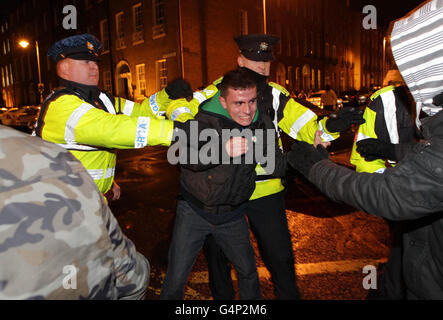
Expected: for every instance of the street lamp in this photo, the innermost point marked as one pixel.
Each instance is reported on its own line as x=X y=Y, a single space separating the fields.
x=40 y=86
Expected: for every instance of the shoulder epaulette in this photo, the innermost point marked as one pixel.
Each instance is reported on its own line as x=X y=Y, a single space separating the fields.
x=279 y=88
x=218 y=81
x=382 y=90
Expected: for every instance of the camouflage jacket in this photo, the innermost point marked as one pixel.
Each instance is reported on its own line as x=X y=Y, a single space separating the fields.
x=58 y=238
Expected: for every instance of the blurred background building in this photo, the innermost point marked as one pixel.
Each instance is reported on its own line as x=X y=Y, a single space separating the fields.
x=147 y=43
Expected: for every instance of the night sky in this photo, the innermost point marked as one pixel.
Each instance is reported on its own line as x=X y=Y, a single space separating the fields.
x=387 y=10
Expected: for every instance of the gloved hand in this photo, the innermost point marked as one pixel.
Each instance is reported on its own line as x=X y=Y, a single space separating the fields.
x=178 y=88
x=342 y=120
x=372 y=149
x=304 y=155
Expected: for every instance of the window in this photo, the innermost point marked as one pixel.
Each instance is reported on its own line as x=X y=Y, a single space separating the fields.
x=312 y=78
x=141 y=79
x=243 y=22
x=158 y=30
x=11 y=74
x=16 y=66
x=119 y=25
x=289 y=42
x=107 y=81
x=45 y=21
x=137 y=16
x=3 y=78
x=23 y=67
x=104 y=35
x=162 y=74
x=28 y=58
x=7 y=76
x=327 y=50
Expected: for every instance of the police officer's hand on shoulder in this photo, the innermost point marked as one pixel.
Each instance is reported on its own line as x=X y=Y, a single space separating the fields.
x=179 y=88
x=342 y=120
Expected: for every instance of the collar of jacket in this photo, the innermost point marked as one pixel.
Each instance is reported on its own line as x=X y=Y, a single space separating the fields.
x=88 y=93
x=432 y=126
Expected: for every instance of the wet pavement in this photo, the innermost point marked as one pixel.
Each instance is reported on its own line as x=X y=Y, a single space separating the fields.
x=332 y=242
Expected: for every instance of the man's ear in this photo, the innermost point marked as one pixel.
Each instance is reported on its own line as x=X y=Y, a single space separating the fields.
x=223 y=102
x=63 y=68
x=240 y=61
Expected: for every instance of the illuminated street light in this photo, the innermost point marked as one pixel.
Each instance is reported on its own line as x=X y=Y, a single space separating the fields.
x=40 y=86
x=24 y=43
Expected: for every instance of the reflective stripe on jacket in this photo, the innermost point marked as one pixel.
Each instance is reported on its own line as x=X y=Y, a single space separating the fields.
x=289 y=116
x=387 y=118
x=91 y=133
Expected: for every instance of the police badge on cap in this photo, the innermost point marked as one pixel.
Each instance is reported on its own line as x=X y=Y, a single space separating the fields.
x=79 y=47
x=257 y=47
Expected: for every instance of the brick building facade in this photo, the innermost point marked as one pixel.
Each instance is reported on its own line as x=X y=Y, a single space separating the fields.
x=148 y=43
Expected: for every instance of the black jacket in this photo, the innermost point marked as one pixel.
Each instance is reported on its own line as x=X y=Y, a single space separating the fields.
x=218 y=188
x=413 y=190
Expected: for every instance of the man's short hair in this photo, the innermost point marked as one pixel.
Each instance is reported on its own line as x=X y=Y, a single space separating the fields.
x=240 y=78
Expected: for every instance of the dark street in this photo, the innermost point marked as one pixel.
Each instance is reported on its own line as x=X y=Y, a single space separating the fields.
x=332 y=242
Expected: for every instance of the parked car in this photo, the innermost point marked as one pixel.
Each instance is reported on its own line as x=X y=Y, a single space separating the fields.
x=2 y=111
x=315 y=99
x=24 y=117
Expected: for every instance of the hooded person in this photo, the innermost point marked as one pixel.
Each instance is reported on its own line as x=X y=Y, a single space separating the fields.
x=412 y=190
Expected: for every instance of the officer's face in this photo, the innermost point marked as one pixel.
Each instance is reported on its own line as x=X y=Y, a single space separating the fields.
x=82 y=71
x=241 y=105
x=261 y=67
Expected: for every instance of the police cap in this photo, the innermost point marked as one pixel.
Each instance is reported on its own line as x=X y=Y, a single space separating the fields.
x=78 y=47
x=257 y=47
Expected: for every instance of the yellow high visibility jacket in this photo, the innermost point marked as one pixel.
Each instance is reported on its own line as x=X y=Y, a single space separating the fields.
x=388 y=119
x=92 y=132
x=290 y=117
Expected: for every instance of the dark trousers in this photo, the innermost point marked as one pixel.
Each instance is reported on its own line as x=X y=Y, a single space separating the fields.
x=190 y=231
x=268 y=223
x=390 y=281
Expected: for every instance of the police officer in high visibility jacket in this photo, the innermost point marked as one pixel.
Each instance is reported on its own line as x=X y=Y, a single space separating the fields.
x=381 y=142
x=266 y=210
x=89 y=122
x=388 y=121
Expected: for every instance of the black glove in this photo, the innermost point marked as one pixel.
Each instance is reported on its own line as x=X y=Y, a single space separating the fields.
x=438 y=100
x=179 y=88
x=342 y=120
x=372 y=149
x=304 y=155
